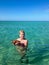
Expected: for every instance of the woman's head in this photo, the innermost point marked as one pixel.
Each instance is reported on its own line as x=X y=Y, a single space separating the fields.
x=21 y=34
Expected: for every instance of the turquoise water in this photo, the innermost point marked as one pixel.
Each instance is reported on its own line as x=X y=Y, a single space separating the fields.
x=37 y=34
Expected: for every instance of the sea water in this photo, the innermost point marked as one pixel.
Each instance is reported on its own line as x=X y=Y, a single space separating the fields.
x=37 y=34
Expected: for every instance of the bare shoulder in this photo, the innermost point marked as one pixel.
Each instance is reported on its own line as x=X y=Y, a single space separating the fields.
x=18 y=39
x=26 y=41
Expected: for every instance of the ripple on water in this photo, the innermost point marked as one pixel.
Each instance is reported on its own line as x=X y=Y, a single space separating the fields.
x=38 y=37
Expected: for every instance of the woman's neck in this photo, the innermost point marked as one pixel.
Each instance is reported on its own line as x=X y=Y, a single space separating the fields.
x=22 y=38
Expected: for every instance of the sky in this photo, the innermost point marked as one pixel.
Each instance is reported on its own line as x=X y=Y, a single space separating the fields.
x=24 y=10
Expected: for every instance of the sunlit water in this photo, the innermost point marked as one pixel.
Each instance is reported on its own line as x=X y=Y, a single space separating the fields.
x=37 y=34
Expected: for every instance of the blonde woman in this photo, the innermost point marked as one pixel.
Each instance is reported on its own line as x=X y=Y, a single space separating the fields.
x=21 y=44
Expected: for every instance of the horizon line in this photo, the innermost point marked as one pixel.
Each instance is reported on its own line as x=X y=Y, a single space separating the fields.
x=22 y=20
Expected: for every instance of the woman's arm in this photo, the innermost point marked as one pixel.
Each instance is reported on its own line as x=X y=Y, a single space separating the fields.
x=15 y=42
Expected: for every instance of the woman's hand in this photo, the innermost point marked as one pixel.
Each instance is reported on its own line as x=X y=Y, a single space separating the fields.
x=15 y=42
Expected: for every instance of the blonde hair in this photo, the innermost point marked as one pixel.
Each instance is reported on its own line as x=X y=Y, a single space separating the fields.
x=22 y=31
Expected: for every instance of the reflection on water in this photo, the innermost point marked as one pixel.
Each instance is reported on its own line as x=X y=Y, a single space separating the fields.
x=38 y=47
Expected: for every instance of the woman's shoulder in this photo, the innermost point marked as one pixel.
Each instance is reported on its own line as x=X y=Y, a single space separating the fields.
x=18 y=39
x=26 y=41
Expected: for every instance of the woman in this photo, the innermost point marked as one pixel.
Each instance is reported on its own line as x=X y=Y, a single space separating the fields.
x=21 y=44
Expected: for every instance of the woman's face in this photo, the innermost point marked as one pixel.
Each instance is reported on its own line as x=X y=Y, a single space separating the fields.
x=21 y=35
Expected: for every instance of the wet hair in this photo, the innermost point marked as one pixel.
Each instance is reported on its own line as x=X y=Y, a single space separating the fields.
x=22 y=31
